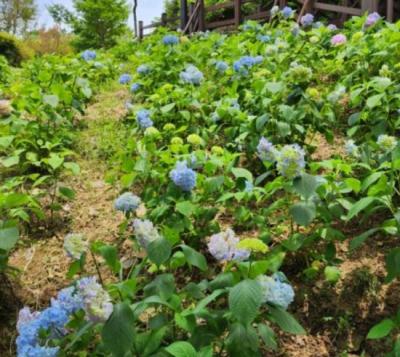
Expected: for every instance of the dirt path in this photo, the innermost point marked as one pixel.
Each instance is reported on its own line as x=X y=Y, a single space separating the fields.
x=42 y=262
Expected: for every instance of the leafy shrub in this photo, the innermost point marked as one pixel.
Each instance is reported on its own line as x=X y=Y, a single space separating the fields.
x=13 y=49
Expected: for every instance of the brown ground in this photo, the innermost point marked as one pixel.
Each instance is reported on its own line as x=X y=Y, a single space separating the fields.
x=337 y=317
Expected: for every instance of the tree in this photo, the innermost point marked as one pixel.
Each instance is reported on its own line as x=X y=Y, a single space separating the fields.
x=17 y=15
x=97 y=23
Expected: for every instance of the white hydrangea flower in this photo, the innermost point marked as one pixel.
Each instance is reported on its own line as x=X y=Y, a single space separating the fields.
x=75 y=245
x=145 y=232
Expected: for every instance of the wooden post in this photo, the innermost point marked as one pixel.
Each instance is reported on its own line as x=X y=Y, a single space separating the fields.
x=282 y=3
x=191 y=10
x=140 y=30
x=184 y=14
x=202 y=16
x=390 y=10
x=369 y=5
x=164 y=19
x=238 y=12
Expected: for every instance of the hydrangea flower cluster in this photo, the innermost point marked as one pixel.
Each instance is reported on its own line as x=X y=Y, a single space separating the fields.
x=135 y=87
x=145 y=232
x=221 y=66
x=245 y=63
x=263 y=38
x=143 y=119
x=290 y=161
x=299 y=73
x=338 y=39
x=96 y=301
x=274 y=10
x=52 y=319
x=287 y=12
x=307 y=20
x=386 y=143
x=332 y=27
x=183 y=177
x=192 y=75
x=75 y=245
x=266 y=150
x=223 y=247
x=88 y=55
x=372 y=19
x=276 y=290
x=125 y=78
x=170 y=40
x=351 y=148
x=143 y=69
x=127 y=202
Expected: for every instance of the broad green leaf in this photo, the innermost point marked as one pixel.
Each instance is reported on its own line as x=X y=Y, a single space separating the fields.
x=359 y=206
x=186 y=208
x=55 y=161
x=286 y=321
x=10 y=161
x=181 y=349
x=305 y=185
x=268 y=336
x=360 y=239
x=5 y=141
x=159 y=251
x=8 y=237
x=118 y=333
x=51 y=100
x=245 y=299
x=393 y=264
x=374 y=101
x=238 y=172
x=167 y=108
x=303 y=213
x=194 y=258
x=381 y=330
x=67 y=192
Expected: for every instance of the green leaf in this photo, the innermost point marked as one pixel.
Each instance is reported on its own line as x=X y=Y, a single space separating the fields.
x=167 y=108
x=274 y=87
x=163 y=286
x=194 y=258
x=305 y=185
x=186 y=208
x=238 y=172
x=119 y=332
x=332 y=274
x=393 y=264
x=55 y=161
x=181 y=349
x=303 y=213
x=67 y=192
x=381 y=330
x=268 y=336
x=159 y=251
x=286 y=321
x=360 y=239
x=5 y=141
x=8 y=237
x=374 y=101
x=51 y=100
x=245 y=299
x=10 y=161
x=73 y=167
x=110 y=255
x=360 y=205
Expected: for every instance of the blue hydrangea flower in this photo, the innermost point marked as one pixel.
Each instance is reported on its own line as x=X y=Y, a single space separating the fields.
x=170 y=40
x=332 y=27
x=127 y=202
x=221 y=66
x=372 y=19
x=143 y=69
x=183 y=177
x=125 y=78
x=307 y=20
x=222 y=246
x=135 y=87
x=145 y=232
x=276 y=290
x=290 y=161
x=263 y=38
x=69 y=300
x=88 y=55
x=245 y=63
x=266 y=150
x=287 y=12
x=143 y=119
x=191 y=75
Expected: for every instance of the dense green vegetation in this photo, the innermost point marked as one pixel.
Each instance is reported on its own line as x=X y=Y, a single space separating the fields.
x=230 y=208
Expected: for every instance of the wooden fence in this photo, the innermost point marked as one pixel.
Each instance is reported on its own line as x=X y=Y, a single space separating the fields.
x=194 y=17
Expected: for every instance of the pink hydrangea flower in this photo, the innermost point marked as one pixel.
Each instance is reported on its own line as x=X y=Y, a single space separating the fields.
x=338 y=39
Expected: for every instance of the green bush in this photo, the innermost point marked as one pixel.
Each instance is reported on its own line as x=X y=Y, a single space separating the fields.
x=12 y=49
x=4 y=70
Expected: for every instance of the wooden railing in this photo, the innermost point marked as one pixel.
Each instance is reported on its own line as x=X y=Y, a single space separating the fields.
x=193 y=18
